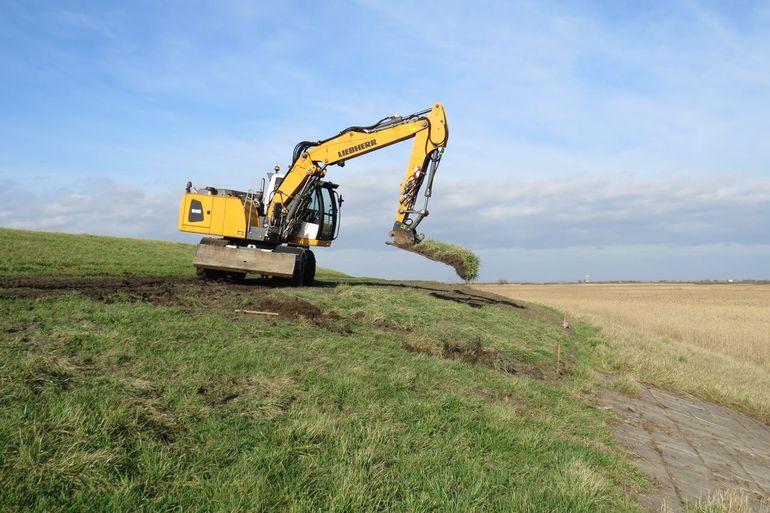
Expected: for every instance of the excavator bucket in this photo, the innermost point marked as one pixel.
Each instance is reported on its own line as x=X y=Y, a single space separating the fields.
x=403 y=237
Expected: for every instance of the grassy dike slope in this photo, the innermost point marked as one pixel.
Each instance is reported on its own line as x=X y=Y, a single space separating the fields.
x=120 y=404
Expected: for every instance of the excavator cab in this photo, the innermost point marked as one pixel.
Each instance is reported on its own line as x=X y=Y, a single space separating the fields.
x=319 y=216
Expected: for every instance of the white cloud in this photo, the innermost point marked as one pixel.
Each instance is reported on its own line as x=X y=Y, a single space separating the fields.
x=539 y=230
x=98 y=205
x=573 y=211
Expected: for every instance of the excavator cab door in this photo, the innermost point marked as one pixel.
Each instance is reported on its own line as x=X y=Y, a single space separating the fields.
x=330 y=211
x=320 y=218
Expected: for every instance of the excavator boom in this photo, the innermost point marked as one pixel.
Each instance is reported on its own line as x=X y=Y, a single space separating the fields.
x=310 y=161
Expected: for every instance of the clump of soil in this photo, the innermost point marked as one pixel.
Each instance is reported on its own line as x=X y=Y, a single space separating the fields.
x=290 y=308
x=464 y=261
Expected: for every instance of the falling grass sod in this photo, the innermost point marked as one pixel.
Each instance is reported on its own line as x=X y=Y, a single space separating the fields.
x=120 y=405
x=464 y=261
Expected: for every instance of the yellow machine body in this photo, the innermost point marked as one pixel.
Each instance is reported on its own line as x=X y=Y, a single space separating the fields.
x=228 y=216
x=215 y=215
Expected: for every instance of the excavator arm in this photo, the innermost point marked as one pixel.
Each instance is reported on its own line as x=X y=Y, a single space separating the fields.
x=311 y=160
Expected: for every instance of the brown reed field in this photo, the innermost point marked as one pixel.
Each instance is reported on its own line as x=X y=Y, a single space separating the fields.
x=711 y=340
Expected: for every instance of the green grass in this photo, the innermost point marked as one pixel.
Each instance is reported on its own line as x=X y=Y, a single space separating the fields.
x=30 y=253
x=126 y=406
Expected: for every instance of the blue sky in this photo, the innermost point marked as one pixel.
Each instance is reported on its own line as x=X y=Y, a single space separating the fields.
x=625 y=140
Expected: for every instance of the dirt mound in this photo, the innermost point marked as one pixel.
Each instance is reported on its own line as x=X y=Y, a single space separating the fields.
x=292 y=308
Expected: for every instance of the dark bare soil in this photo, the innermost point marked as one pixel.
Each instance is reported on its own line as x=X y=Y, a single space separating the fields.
x=178 y=291
x=195 y=295
x=289 y=307
x=458 y=293
x=93 y=287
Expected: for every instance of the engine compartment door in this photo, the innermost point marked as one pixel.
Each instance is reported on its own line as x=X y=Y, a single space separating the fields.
x=195 y=213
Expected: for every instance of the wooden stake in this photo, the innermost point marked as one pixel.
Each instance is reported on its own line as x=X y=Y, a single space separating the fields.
x=255 y=312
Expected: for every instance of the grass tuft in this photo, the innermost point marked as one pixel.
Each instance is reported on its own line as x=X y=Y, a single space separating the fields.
x=724 y=502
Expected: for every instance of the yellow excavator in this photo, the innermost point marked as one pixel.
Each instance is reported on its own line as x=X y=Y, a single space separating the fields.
x=270 y=231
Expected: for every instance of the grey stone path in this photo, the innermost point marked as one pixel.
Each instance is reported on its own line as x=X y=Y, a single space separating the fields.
x=692 y=449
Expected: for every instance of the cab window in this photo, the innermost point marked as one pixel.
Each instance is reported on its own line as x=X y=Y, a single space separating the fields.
x=313 y=211
x=329 y=214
